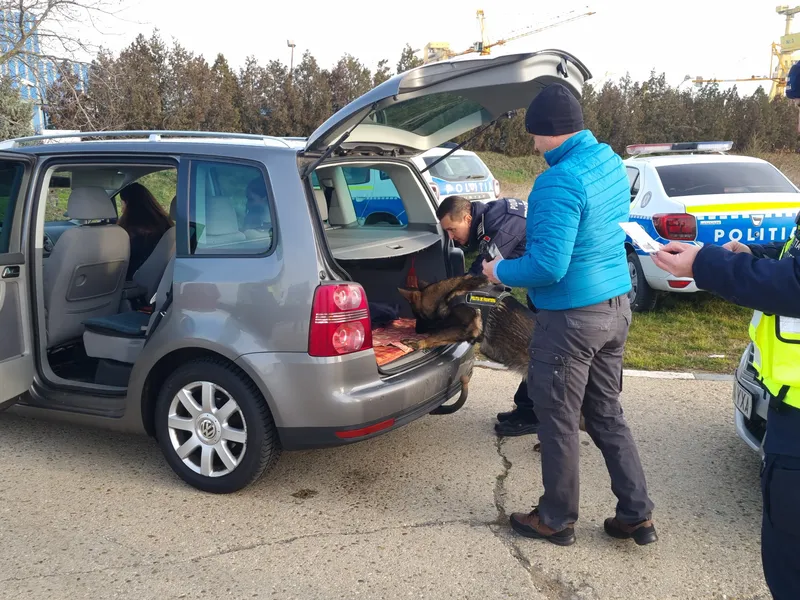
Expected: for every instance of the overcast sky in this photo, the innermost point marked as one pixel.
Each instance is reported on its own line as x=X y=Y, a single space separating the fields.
x=712 y=38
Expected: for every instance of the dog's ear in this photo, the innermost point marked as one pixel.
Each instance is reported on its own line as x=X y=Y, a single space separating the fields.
x=421 y=284
x=411 y=295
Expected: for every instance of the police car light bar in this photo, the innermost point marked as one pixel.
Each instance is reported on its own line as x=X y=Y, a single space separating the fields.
x=637 y=149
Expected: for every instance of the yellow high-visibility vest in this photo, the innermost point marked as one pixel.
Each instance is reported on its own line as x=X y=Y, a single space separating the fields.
x=776 y=342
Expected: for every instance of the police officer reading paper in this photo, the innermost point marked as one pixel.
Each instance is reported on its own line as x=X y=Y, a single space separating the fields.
x=766 y=279
x=498 y=225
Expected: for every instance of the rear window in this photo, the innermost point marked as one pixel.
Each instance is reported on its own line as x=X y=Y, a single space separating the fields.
x=702 y=179
x=430 y=113
x=457 y=168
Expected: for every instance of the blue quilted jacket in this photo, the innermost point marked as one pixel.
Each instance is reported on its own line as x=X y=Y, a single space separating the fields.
x=575 y=252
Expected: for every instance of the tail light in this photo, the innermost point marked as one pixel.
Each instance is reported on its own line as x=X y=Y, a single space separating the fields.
x=436 y=192
x=678 y=284
x=496 y=188
x=339 y=321
x=676 y=226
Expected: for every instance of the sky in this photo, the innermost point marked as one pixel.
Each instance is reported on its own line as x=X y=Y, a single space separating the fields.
x=708 y=38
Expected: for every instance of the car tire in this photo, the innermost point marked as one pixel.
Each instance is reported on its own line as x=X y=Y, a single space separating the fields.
x=220 y=450
x=642 y=297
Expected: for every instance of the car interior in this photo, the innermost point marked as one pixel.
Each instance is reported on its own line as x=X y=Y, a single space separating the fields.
x=95 y=314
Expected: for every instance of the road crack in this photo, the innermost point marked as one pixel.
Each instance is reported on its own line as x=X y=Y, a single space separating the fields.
x=500 y=485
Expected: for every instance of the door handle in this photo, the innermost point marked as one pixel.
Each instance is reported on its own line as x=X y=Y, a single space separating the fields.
x=10 y=272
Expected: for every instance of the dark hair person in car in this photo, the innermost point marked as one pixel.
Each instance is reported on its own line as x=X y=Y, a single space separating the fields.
x=257 y=216
x=145 y=221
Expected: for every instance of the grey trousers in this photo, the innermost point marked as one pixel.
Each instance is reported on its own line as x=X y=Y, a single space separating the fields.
x=576 y=363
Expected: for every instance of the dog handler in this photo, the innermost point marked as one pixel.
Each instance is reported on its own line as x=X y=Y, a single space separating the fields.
x=576 y=273
x=472 y=226
x=766 y=279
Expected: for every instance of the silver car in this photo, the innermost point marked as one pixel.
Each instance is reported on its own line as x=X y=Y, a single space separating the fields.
x=267 y=317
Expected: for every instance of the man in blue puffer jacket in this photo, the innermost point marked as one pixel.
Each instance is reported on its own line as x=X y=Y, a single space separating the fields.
x=576 y=274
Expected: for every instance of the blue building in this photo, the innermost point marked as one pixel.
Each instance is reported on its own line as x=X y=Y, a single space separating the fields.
x=29 y=72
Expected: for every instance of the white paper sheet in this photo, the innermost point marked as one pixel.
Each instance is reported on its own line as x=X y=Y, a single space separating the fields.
x=640 y=237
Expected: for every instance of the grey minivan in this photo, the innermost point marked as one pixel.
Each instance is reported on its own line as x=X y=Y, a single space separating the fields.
x=251 y=327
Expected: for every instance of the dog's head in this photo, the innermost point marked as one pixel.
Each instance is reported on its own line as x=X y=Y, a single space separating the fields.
x=416 y=299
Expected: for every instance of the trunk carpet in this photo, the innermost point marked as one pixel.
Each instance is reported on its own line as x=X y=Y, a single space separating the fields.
x=387 y=341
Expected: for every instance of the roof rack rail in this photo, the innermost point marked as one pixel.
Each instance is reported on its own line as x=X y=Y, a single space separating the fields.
x=151 y=135
x=678 y=147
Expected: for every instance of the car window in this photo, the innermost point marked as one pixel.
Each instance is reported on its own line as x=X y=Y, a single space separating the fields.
x=57 y=196
x=430 y=113
x=633 y=181
x=162 y=184
x=457 y=167
x=376 y=200
x=11 y=173
x=722 y=178
x=230 y=209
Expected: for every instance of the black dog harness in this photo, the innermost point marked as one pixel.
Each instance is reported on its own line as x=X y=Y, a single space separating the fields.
x=484 y=300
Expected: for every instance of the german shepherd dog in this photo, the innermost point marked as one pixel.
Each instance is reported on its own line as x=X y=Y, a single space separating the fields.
x=504 y=337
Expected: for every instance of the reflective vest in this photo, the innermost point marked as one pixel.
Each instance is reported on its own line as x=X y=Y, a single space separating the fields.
x=776 y=342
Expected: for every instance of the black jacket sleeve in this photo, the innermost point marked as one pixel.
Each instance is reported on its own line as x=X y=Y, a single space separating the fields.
x=508 y=241
x=765 y=284
x=771 y=250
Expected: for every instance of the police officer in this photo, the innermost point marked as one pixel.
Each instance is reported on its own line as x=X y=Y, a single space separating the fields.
x=480 y=226
x=766 y=279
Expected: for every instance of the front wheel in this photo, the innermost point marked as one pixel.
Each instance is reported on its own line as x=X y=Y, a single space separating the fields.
x=214 y=427
x=642 y=297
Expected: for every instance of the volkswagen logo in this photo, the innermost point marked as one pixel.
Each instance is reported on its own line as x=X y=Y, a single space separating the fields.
x=207 y=428
x=757 y=220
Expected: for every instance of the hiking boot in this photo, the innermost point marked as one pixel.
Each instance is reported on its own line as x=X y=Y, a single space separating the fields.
x=505 y=416
x=643 y=532
x=530 y=526
x=518 y=424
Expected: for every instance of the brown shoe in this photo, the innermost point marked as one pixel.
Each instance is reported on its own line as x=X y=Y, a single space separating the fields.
x=530 y=526
x=643 y=532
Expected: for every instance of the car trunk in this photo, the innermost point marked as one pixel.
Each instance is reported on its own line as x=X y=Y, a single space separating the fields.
x=382 y=257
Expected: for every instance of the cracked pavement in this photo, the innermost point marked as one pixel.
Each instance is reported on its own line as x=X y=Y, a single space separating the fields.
x=421 y=512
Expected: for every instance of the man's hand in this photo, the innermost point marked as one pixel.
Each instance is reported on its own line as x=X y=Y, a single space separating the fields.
x=488 y=269
x=737 y=248
x=676 y=258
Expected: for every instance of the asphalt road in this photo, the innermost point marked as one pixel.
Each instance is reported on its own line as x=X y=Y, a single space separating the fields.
x=420 y=512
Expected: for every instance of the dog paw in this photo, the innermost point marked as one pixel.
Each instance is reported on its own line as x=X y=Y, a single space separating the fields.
x=414 y=344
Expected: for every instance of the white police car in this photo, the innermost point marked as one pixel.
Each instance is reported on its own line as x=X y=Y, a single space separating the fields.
x=462 y=173
x=693 y=192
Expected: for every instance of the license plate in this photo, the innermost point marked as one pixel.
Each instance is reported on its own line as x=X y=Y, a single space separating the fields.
x=743 y=400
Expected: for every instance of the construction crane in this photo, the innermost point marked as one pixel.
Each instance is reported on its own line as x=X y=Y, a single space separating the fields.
x=436 y=51
x=781 y=57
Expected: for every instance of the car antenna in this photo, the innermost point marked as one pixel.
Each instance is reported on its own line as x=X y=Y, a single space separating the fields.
x=330 y=149
x=507 y=115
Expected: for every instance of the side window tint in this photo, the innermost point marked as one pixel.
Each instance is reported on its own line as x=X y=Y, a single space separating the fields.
x=230 y=210
x=11 y=173
x=633 y=180
x=57 y=195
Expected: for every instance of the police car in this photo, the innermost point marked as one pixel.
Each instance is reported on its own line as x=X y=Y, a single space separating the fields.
x=694 y=192
x=462 y=173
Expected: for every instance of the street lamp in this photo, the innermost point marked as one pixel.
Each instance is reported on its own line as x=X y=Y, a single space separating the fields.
x=291 y=45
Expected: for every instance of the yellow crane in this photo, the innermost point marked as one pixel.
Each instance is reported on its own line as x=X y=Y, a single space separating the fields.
x=436 y=51
x=781 y=57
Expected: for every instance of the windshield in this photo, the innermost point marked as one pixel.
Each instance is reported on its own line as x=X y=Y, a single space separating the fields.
x=457 y=168
x=700 y=179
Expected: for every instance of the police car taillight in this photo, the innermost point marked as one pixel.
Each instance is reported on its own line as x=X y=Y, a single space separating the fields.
x=496 y=188
x=676 y=226
x=340 y=321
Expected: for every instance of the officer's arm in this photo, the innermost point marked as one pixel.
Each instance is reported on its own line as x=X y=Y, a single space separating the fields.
x=477 y=265
x=507 y=242
x=771 y=286
x=554 y=213
x=771 y=250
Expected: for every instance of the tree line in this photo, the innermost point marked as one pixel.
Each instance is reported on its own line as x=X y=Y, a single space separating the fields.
x=153 y=85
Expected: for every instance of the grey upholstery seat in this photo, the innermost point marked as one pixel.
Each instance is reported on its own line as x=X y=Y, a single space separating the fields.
x=121 y=337
x=221 y=224
x=149 y=273
x=85 y=273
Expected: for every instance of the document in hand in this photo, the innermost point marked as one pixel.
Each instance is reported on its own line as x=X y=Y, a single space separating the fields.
x=640 y=237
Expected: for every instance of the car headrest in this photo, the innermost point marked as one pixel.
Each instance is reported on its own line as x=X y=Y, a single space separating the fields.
x=221 y=217
x=89 y=204
x=172 y=208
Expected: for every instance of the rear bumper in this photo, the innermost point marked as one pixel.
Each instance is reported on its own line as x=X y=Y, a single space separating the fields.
x=313 y=399
x=659 y=280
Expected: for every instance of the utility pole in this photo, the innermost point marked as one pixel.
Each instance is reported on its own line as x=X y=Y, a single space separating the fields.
x=291 y=45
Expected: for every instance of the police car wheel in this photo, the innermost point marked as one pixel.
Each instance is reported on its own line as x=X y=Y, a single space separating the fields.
x=642 y=297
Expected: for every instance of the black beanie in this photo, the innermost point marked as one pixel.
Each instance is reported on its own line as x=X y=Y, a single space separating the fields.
x=555 y=111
